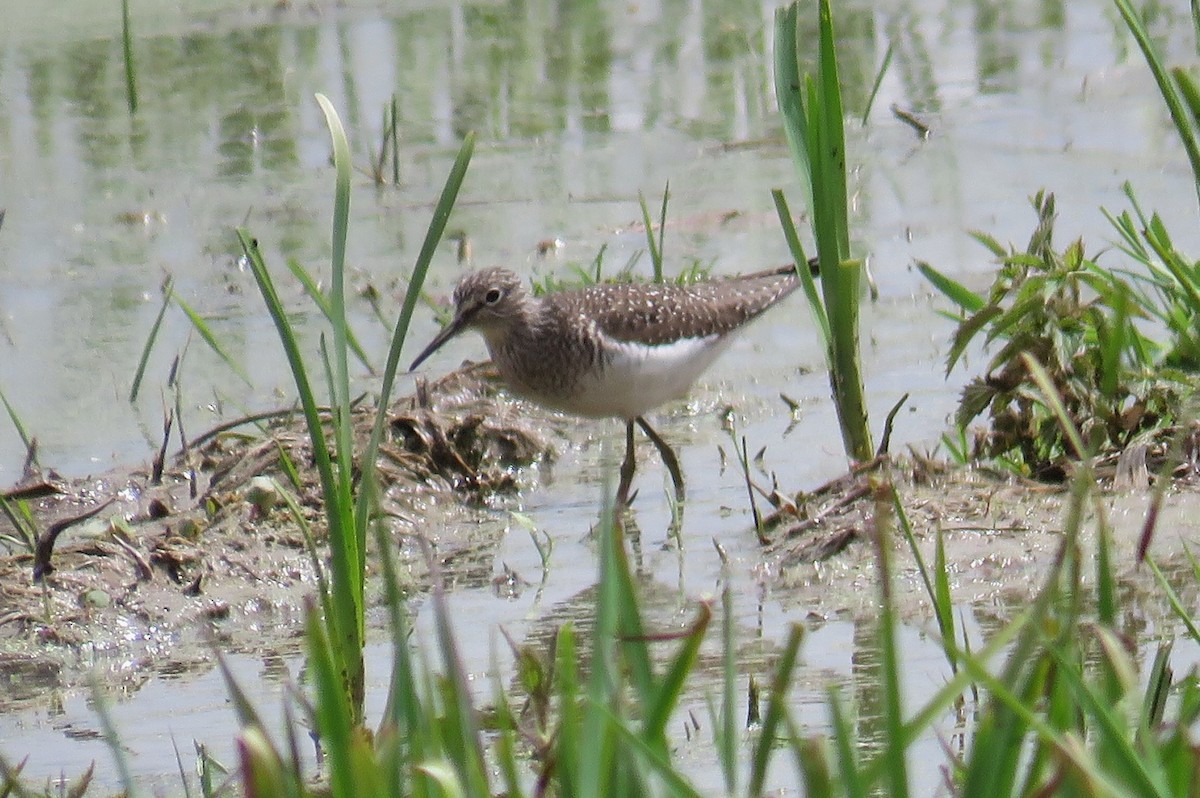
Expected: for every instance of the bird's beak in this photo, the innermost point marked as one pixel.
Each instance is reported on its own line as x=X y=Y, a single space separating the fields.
x=456 y=325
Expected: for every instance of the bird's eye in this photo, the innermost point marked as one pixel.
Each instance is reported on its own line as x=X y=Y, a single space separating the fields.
x=493 y=296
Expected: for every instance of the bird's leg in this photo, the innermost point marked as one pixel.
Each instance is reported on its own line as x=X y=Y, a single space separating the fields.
x=668 y=456
x=628 y=466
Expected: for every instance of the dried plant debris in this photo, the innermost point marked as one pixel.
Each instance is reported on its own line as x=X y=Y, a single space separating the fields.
x=216 y=547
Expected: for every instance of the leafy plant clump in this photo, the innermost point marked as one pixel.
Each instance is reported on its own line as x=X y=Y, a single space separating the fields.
x=1086 y=325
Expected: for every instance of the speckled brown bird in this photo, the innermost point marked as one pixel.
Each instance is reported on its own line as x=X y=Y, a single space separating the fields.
x=610 y=350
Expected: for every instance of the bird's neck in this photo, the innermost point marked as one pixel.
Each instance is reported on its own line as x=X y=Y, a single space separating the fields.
x=518 y=330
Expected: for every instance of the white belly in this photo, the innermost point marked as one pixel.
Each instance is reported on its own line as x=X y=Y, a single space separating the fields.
x=639 y=378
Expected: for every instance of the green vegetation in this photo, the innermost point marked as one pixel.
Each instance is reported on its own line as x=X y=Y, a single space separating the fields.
x=131 y=96
x=1063 y=713
x=1081 y=322
x=1055 y=696
x=348 y=514
x=1125 y=384
x=811 y=108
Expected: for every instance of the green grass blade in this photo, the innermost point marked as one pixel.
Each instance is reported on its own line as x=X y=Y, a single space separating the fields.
x=651 y=243
x=462 y=728
x=112 y=740
x=937 y=586
x=1018 y=629
x=1053 y=401
x=943 y=605
x=1177 y=605
x=833 y=131
x=775 y=709
x=726 y=731
x=347 y=599
x=596 y=759
x=1106 y=581
x=956 y=292
x=569 y=747
x=150 y=339
x=883 y=68
x=206 y=334
x=183 y=776
x=340 y=401
x=433 y=235
x=815 y=128
x=21 y=521
x=662 y=230
x=893 y=714
x=322 y=302
x=131 y=96
x=670 y=688
x=1141 y=768
x=651 y=756
x=335 y=715
x=815 y=304
x=788 y=91
x=1185 y=123
x=26 y=441
x=395 y=129
x=845 y=740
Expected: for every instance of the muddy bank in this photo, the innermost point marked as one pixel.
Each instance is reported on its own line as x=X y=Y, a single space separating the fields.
x=213 y=554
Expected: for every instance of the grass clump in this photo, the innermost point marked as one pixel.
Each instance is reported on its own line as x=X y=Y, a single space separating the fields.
x=1083 y=322
x=811 y=107
x=347 y=476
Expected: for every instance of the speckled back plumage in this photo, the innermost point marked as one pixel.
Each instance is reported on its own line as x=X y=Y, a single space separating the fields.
x=611 y=349
x=660 y=313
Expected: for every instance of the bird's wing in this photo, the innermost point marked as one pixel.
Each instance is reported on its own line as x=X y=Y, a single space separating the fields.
x=661 y=313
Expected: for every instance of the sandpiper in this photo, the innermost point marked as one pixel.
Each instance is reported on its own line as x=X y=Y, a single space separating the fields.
x=610 y=350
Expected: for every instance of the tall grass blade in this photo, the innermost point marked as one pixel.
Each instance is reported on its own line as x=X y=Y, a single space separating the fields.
x=403 y=717
x=1054 y=402
x=651 y=757
x=666 y=696
x=1141 y=769
x=395 y=130
x=937 y=585
x=1185 y=123
x=893 y=714
x=799 y=257
x=340 y=401
x=322 y=302
x=150 y=339
x=883 y=68
x=596 y=767
x=26 y=440
x=336 y=717
x=844 y=741
x=433 y=235
x=112 y=739
x=654 y=245
x=131 y=96
x=662 y=231
x=1177 y=606
x=206 y=334
x=814 y=125
x=726 y=731
x=347 y=592
x=462 y=736
x=776 y=707
x=569 y=748
x=183 y=776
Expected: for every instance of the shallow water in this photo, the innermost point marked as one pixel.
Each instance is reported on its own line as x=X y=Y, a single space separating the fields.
x=578 y=109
